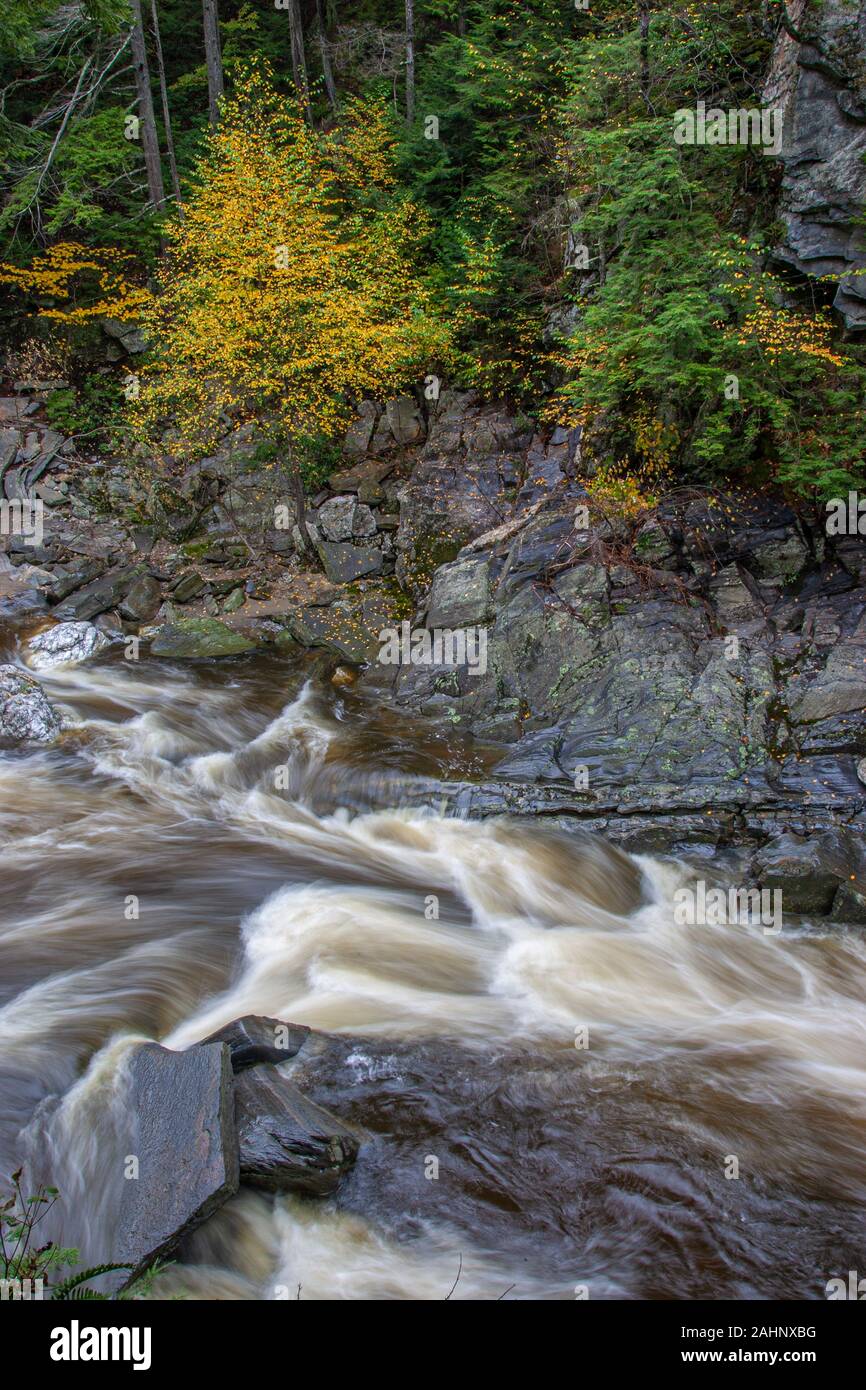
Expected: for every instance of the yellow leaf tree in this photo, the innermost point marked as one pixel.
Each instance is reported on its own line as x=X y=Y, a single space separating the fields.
x=291 y=286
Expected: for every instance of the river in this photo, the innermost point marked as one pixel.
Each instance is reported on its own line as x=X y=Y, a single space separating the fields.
x=521 y=1005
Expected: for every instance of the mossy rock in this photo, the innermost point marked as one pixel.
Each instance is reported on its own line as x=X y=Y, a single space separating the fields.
x=190 y=638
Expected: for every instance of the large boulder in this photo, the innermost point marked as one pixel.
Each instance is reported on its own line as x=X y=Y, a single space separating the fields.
x=65 y=644
x=180 y=1108
x=192 y=638
x=26 y=716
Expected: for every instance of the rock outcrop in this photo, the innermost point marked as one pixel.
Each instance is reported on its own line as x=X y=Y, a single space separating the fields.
x=818 y=80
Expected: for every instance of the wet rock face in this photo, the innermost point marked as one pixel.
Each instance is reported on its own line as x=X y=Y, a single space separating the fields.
x=183 y=1135
x=66 y=644
x=26 y=716
x=286 y=1142
x=818 y=83
x=712 y=686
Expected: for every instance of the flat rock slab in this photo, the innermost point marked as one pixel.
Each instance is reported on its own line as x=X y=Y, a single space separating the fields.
x=193 y=638
x=287 y=1143
x=183 y=1134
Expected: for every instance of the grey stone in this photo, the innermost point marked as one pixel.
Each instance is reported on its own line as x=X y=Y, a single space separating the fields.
x=103 y=593
x=255 y=1039
x=405 y=420
x=183 y=1134
x=335 y=518
x=142 y=601
x=345 y=563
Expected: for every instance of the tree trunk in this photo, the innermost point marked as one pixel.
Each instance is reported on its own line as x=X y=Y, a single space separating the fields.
x=213 y=59
x=327 y=70
x=299 y=61
x=166 y=114
x=149 y=136
x=643 y=11
x=461 y=19
x=410 y=61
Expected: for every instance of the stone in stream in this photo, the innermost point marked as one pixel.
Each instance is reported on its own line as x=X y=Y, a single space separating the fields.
x=189 y=638
x=65 y=644
x=182 y=1132
x=345 y=563
x=25 y=712
x=286 y=1142
x=254 y=1039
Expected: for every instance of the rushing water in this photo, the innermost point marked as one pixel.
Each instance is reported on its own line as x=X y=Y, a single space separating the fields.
x=560 y=1166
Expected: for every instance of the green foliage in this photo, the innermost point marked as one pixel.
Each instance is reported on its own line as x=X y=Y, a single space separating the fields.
x=94 y=409
x=21 y=1258
x=684 y=333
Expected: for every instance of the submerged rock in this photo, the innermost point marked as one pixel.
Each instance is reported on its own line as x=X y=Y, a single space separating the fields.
x=25 y=712
x=65 y=645
x=189 y=638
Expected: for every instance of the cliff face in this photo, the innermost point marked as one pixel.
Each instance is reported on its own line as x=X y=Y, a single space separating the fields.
x=818 y=79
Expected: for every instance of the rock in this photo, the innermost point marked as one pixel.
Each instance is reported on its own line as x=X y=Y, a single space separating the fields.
x=808 y=871
x=65 y=644
x=187 y=587
x=287 y=1143
x=849 y=904
x=23 y=605
x=336 y=517
x=861 y=770
x=142 y=601
x=105 y=592
x=235 y=600
x=25 y=713
x=405 y=420
x=254 y=1039
x=363 y=522
x=371 y=472
x=360 y=432
x=183 y=1135
x=128 y=335
x=345 y=563
x=460 y=594
x=192 y=638
x=823 y=109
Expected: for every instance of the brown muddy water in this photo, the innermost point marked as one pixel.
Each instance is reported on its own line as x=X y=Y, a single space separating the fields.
x=560 y=1168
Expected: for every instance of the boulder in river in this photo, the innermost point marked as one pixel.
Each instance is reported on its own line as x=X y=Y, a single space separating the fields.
x=25 y=712
x=181 y=1109
x=65 y=644
x=189 y=638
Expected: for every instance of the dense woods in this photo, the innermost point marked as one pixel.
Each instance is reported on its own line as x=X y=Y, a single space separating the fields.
x=577 y=260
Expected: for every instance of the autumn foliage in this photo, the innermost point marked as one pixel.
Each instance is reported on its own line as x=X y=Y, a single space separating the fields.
x=291 y=284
